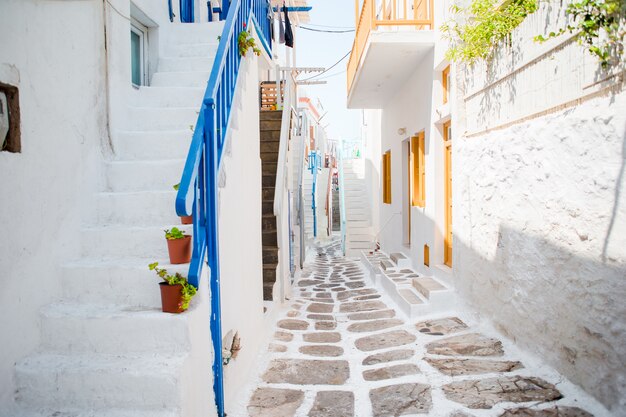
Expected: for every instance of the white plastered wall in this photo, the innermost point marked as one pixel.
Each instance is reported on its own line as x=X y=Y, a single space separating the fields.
x=43 y=188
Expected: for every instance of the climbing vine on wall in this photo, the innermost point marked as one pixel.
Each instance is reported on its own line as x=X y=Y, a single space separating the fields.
x=475 y=30
x=600 y=26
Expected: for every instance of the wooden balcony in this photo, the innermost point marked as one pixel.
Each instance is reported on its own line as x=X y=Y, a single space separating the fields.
x=387 y=17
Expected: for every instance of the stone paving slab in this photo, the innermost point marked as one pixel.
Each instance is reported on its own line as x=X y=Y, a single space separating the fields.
x=485 y=393
x=389 y=372
x=359 y=306
x=547 y=412
x=472 y=344
x=371 y=326
x=455 y=367
x=389 y=356
x=333 y=404
x=322 y=337
x=441 y=327
x=384 y=340
x=273 y=402
x=293 y=324
x=307 y=372
x=322 y=350
x=400 y=400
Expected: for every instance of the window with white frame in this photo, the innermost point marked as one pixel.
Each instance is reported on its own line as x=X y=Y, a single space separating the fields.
x=138 y=53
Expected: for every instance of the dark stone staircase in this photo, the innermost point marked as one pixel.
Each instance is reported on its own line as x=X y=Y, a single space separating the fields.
x=270 y=141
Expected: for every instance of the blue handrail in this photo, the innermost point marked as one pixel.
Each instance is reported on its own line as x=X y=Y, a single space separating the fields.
x=198 y=189
x=314 y=165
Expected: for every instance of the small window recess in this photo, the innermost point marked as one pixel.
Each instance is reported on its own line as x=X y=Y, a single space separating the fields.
x=426 y=255
x=138 y=53
x=10 y=128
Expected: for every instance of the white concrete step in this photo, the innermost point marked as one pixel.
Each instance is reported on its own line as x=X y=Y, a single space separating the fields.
x=180 y=79
x=139 y=208
x=361 y=245
x=358 y=223
x=353 y=237
x=124 y=176
x=400 y=259
x=168 y=97
x=432 y=289
x=188 y=50
x=161 y=118
x=116 y=412
x=122 y=281
x=184 y=33
x=158 y=145
x=108 y=242
x=185 y=64
x=75 y=328
x=99 y=381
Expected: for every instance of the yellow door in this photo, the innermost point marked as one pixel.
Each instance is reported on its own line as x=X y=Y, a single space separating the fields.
x=447 y=242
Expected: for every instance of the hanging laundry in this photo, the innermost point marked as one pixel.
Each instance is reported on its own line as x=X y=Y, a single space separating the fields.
x=281 y=28
x=288 y=32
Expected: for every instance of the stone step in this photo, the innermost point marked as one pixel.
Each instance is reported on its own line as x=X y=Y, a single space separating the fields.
x=167 y=97
x=270 y=124
x=270 y=255
x=186 y=50
x=268 y=222
x=270 y=147
x=99 y=381
x=109 y=242
x=150 y=119
x=269 y=156
x=270 y=135
x=269 y=273
x=271 y=115
x=78 y=328
x=122 y=281
x=131 y=176
x=193 y=33
x=159 y=145
x=430 y=287
x=185 y=64
x=180 y=79
x=400 y=259
x=141 y=208
x=269 y=168
x=268 y=289
x=268 y=193
x=269 y=238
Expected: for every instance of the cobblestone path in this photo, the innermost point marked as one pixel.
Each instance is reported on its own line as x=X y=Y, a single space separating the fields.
x=341 y=351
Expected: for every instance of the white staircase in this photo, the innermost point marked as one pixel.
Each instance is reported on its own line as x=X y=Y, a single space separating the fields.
x=359 y=234
x=413 y=293
x=307 y=186
x=106 y=348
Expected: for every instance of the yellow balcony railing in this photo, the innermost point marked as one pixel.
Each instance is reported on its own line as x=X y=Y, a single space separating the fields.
x=416 y=13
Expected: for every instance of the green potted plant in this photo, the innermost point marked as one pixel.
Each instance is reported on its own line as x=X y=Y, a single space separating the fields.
x=178 y=246
x=184 y=219
x=176 y=292
x=246 y=41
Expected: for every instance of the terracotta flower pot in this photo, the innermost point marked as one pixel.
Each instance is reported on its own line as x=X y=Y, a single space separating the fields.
x=171 y=298
x=186 y=219
x=179 y=250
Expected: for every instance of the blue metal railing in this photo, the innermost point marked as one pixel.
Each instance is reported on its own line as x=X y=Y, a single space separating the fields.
x=197 y=194
x=315 y=164
x=342 y=203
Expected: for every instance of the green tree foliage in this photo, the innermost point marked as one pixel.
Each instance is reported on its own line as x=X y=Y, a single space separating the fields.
x=599 y=25
x=475 y=30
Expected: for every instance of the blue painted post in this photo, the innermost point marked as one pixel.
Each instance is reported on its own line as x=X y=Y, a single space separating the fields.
x=186 y=11
x=171 y=11
x=212 y=236
x=210 y=9
x=224 y=11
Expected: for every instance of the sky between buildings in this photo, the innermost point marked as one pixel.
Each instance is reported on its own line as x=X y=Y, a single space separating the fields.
x=318 y=49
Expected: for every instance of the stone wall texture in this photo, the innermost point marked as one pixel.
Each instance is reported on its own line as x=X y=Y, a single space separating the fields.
x=540 y=238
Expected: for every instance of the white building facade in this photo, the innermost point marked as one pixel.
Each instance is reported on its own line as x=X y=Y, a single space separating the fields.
x=503 y=181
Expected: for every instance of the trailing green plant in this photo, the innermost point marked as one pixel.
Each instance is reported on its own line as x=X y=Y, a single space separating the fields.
x=176 y=186
x=174 y=233
x=600 y=26
x=475 y=30
x=187 y=291
x=246 y=41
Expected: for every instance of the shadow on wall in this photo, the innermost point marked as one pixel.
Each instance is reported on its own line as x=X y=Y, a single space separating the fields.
x=565 y=308
x=616 y=200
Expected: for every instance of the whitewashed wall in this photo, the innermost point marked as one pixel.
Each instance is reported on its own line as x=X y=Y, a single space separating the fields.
x=43 y=188
x=540 y=206
x=240 y=231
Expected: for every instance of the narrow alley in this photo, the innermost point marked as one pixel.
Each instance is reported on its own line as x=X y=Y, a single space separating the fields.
x=342 y=350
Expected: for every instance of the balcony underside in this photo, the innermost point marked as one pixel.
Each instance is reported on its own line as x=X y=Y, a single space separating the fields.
x=387 y=62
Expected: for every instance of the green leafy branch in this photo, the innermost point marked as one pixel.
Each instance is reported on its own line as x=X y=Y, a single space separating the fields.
x=475 y=30
x=174 y=233
x=600 y=25
x=187 y=291
x=246 y=41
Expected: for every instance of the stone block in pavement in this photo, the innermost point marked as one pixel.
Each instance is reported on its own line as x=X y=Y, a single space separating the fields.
x=333 y=404
x=375 y=325
x=440 y=327
x=400 y=400
x=389 y=356
x=275 y=402
x=389 y=372
x=322 y=337
x=455 y=367
x=322 y=350
x=485 y=393
x=307 y=372
x=558 y=411
x=384 y=340
x=472 y=344
x=358 y=306
x=292 y=324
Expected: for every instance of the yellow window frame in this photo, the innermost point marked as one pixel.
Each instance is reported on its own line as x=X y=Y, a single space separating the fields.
x=418 y=170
